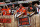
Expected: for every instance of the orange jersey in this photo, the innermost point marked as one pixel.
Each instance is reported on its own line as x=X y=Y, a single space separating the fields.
x=8 y=11
x=4 y=11
x=22 y=10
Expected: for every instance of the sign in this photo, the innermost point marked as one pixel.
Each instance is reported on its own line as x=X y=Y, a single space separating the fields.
x=24 y=21
x=2 y=2
x=5 y=20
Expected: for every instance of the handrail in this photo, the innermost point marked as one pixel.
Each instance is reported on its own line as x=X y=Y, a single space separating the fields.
x=7 y=16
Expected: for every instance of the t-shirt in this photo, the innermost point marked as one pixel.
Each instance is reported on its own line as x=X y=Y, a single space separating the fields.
x=4 y=11
x=22 y=10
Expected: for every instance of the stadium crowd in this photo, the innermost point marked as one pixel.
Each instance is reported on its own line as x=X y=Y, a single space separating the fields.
x=10 y=10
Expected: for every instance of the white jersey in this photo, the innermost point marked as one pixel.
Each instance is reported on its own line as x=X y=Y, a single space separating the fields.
x=37 y=10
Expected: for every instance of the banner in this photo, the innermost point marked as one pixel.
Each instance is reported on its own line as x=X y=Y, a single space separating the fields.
x=5 y=20
x=24 y=21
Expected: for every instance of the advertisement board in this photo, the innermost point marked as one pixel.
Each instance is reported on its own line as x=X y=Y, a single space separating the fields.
x=5 y=20
x=24 y=21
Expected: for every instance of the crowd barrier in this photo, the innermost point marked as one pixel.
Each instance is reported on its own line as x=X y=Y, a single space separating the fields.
x=34 y=21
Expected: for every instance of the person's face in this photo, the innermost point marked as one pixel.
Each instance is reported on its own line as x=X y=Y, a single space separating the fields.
x=13 y=5
x=10 y=7
x=36 y=4
x=30 y=4
x=20 y=5
x=4 y=7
